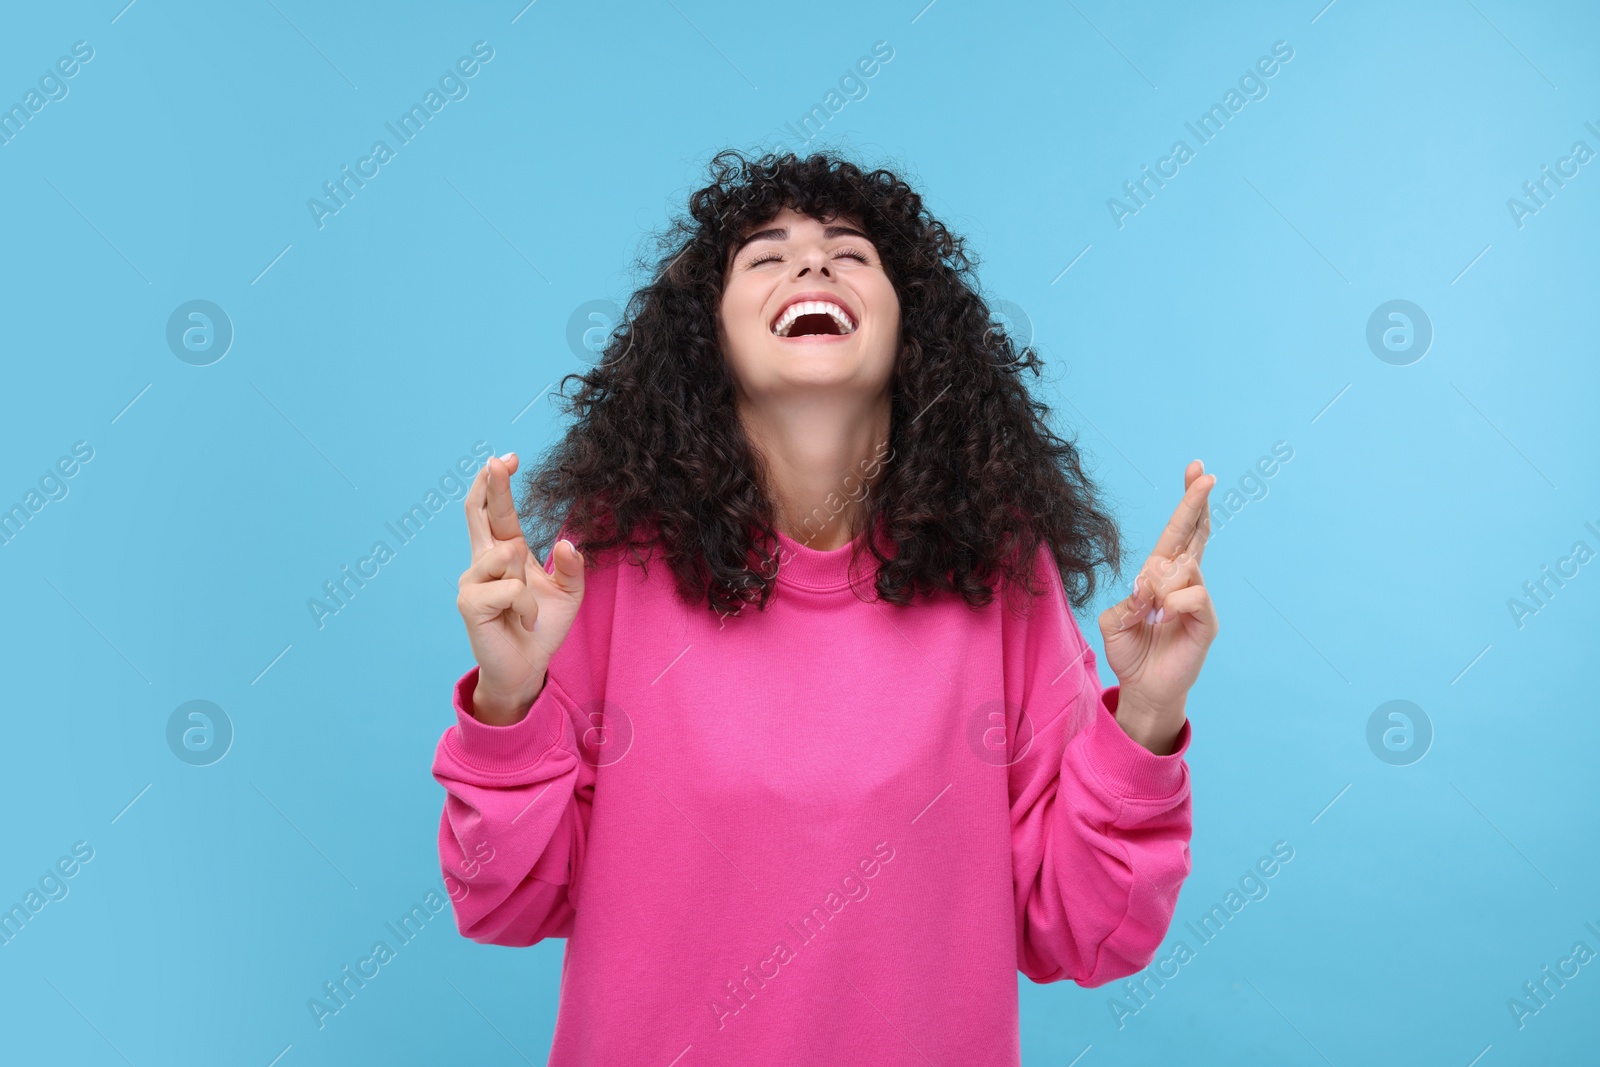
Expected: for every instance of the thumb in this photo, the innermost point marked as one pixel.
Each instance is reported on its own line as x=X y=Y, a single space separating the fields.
x=567 y=566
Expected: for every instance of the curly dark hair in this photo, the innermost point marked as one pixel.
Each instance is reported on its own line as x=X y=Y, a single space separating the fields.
x=657 y=456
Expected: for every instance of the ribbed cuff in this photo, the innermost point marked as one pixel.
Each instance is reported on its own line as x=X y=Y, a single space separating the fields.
x=502 y=749
x=1126 y=766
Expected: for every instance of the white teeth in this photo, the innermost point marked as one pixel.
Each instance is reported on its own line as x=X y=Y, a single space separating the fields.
x=840 y=317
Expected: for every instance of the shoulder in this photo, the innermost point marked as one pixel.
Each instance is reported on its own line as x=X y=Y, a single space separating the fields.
x=1037 y=614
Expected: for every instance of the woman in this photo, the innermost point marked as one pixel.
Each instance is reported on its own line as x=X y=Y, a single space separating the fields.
x=831 y=828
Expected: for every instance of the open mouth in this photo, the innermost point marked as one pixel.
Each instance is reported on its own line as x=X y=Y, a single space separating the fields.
x=812 y=318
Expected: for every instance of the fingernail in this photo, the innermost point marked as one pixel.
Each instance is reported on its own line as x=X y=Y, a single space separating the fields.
x=1150 y=616
x=1161 y=614
x=507 y=457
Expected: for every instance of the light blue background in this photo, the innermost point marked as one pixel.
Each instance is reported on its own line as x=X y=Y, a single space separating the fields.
x=1228 y=314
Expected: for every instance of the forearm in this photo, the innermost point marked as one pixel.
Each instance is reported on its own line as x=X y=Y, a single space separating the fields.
x=513 y=831
x=1100 y=857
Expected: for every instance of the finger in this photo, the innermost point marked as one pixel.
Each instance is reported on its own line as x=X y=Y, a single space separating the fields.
x=502 y=508
x=1128 y=611
x=1161 y=564
x=1185 y=517
x=502 y=559
x=477 y=513
x=482 y=601
x=1202 y=531
x=1195 y=601
x=1168 y=576
x=526 y=607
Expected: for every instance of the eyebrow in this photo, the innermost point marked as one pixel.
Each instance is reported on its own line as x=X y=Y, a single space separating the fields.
x=781 y=233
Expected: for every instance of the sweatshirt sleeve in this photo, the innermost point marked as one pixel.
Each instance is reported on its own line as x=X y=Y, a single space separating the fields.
x=1100 y=824
x=514 y=829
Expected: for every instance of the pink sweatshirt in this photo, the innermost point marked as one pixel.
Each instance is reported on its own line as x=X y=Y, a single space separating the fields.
x=828 y=832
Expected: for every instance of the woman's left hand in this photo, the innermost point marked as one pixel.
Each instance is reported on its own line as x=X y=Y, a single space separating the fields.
x=1156 y=638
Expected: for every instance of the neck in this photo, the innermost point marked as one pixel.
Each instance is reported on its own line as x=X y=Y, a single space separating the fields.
x=822 y=458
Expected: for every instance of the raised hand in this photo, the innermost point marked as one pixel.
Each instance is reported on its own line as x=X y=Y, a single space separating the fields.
x=517 y=614
x=1156 y=638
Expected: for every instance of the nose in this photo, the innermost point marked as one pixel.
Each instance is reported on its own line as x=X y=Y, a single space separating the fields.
x=815 y=259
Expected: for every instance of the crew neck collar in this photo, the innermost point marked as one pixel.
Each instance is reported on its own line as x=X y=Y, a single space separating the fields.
x=824 y=570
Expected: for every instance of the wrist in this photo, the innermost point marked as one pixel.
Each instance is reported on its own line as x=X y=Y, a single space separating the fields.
x=1154 y=728
x=493 y=708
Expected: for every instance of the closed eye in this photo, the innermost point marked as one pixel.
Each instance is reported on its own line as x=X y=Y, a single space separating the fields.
x=848 y=252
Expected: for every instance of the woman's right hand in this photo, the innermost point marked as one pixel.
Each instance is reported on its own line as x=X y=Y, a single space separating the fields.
x=517 y=615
